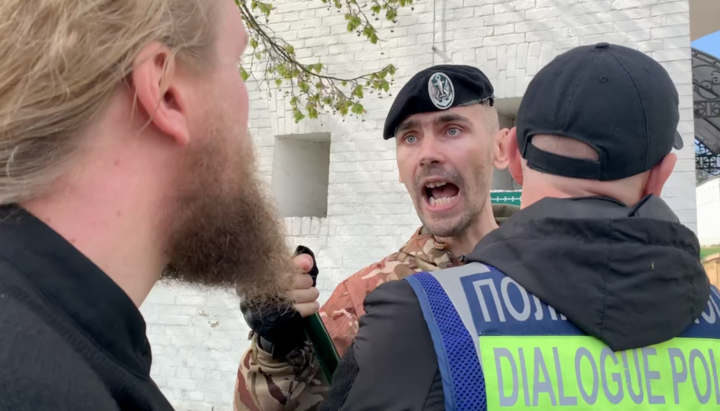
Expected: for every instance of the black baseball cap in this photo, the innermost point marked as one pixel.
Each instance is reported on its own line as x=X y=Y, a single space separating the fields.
x=615 y=99
x=438 y=88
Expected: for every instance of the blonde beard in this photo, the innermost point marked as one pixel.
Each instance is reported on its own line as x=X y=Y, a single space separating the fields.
x=223 y=230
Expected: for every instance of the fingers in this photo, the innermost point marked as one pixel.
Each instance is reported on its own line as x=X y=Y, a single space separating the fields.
x=307 y=309
x=302 y=282
x=305 y=296
x=304 y=262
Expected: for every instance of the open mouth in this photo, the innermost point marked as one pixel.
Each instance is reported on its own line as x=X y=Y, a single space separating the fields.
x=440 y=194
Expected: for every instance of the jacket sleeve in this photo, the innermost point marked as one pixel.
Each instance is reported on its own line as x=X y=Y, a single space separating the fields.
x=391 y=364
x=265 y=384
x=340 y=316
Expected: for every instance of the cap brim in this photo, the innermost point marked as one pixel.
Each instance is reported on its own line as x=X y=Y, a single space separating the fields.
x=678 y=141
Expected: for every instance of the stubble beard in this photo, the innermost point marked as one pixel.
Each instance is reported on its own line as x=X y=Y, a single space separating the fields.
x=452 y=228
x=223 y=230
x=475 y=200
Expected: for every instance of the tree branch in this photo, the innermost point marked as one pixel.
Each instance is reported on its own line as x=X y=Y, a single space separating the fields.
x=309 y=87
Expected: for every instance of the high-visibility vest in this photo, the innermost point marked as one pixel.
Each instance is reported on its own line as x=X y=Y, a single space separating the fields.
x=501 y=348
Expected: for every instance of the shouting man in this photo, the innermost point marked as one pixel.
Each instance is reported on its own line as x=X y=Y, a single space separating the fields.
x=448 y=140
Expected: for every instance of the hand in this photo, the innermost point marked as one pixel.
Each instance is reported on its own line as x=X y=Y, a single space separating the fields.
x=281 y=330
x=303 y=293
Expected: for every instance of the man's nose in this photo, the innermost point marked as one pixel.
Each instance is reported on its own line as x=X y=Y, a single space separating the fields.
x=431 y=153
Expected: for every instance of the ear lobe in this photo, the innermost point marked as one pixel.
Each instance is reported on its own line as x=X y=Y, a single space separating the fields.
x=514 y=159
x=659 y=175
x=158 y=93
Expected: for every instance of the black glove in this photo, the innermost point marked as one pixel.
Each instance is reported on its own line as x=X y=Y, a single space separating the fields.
x=280 y=328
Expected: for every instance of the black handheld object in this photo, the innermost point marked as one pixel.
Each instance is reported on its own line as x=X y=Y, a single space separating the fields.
x=315 y=329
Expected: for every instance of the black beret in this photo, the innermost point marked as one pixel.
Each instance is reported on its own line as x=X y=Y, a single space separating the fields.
x=435 y=89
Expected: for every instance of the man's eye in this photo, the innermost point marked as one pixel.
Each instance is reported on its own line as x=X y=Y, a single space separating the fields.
x=410 y=139
x=452 y=132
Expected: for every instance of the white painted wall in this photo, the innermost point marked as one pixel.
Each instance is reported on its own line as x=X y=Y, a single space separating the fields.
x=300 y=174
x=368 y=212
x=708 y=206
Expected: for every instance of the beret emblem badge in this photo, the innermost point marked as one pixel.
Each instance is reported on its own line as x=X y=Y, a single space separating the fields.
x=441 y=91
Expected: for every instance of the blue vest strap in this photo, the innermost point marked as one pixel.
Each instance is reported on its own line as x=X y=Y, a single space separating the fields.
x=462 y=376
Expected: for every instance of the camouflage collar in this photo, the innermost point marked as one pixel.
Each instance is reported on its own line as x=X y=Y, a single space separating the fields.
x=432 y=253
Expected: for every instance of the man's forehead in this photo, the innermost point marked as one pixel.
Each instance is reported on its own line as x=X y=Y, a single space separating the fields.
x=466 y=113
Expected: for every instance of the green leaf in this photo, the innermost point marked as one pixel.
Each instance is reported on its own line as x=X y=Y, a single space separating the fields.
x=344 y=83
x=390 y=14
x=359 y=91
x=244 y=74
x=343 y=107
x=253 y=43
x=357 y=108
x=312 y=113
x=391 y=69
x=353 y=23
x=278 y=82
x=290 y=49
x=376 y=9
x=318 y=67
x=298 y=116
x=304 y=87
x=265 y=8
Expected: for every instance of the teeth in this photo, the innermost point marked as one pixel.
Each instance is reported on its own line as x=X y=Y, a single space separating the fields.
x=440 y=201
x=436 y=184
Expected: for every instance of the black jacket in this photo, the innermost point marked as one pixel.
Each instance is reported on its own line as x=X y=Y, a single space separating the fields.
x=70 y=338
x=631 y=277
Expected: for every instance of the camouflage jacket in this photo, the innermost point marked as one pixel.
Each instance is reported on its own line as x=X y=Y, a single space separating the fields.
x=264 y=384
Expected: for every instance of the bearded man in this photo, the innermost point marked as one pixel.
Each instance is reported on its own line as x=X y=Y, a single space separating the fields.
x=125 y=158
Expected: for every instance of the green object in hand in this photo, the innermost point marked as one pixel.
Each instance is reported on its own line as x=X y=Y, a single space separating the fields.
x=322 y=344
x=315 y=329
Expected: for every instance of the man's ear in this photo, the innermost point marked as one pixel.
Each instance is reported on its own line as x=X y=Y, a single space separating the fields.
x=659 y=175
x=155 y=78
x=500 y=149
x=514 y=160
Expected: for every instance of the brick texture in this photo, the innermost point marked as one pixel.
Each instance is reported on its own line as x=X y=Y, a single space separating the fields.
x=198 y=337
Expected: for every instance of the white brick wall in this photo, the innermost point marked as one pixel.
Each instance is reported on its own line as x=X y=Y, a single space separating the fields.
x=708 y=205
x=197 y=338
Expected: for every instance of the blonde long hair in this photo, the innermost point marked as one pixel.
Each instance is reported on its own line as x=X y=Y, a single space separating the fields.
x=63 y=59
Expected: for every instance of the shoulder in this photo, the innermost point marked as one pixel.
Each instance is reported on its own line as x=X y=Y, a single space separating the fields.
x=356 y=287
x=395 y=266
x=345 y=305
x=36 y=363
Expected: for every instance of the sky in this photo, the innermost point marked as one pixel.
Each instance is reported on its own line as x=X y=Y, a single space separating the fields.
x=709 y=44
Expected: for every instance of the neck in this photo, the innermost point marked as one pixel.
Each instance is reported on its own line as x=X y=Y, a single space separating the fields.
x=105 y=216
x=465 y=242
